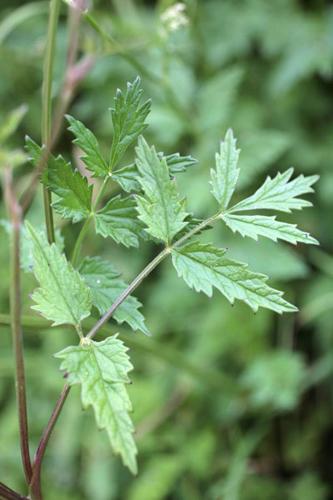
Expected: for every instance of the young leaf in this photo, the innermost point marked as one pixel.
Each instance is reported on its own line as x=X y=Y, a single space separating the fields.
x=119 y=220
x=279 y=193
x=128 y=119
x=203 y=266
x=102 y=370
x=63 y=296
x=127 y=177
x=263 y=225
x=224 y=178
x=86 y=141
x=74 y=193
x=106 y=286
x=160 y=208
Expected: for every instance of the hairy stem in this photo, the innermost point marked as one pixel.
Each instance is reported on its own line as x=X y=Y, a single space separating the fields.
x=47 y=106
x=35 y=484
x=14 y=211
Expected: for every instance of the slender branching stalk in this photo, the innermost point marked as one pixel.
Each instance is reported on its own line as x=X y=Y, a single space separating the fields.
x=35 y=485
x=104 y=319
x=14 y=212
x=47 y=105
x=146 y=271
x=9 y=494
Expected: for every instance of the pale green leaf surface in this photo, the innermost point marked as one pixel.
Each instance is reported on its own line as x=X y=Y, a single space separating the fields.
x=161 y=208
x=267 y=226
x=203 y=267
x=119 y=220
x=128 y=119
x=87 y=141
x=106 y=286
x=101 y=368
x=224 y=177
x=279 y=193
x=63 y=297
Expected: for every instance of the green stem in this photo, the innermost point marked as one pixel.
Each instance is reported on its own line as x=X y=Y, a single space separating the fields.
x=47 y=105
x=78 y=243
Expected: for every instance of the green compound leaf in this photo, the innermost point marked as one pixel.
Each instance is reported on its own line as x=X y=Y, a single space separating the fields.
x=74 y=193
x=63 y=296
x=87 y=141
x=127 y=177
x=128 y=119
x=161 y=208
x=101 y=368
x=106 y=286
x=279 y=193
x=263 y=225
x=119 y=220
x=224 y=178
x=203 y=267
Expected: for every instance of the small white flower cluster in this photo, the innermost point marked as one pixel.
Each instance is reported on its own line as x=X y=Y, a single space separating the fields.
x=174 y=17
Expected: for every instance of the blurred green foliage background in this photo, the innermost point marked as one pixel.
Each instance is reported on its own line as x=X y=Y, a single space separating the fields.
x=227 y=404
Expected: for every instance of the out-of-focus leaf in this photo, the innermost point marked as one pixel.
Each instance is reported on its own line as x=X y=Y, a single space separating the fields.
x=10 y=122
x=275 y=381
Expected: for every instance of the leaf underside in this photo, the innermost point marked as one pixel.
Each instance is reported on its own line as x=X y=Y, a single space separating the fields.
x=101 y=368
x=267 y=226
x=203 y=267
